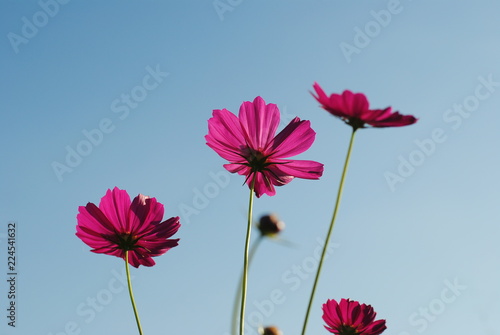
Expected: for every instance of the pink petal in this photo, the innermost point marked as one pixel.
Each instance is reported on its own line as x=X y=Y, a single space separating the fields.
x=167 y=228
x=225 y=135
x=157 y=248
x=115 y=205
x=376 y=327
x=239 y=168
x=377 y=115
x=263 y=185
x=134 y=258
x=355 y=104
x=112 y=251
x=92 y=217
x=331 y=314
x=322 y=97
x=394 y=120
x=294 y=139
x=346 y=307
x=259 y=121
x=143 y=257
x=143 y=212
x=298 y=168
x=92 y=241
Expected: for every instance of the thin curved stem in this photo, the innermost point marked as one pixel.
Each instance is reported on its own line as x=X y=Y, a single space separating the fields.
x=132 y=294
x=245 y=260
x=237 y=297
x=332 y=223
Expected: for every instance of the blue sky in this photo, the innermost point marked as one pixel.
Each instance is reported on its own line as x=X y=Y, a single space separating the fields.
x=97 y=95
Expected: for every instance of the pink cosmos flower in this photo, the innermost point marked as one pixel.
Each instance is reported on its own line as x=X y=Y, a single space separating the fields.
x=118 y=225
x=353 y=109
x=249 y=143
x=351 y=318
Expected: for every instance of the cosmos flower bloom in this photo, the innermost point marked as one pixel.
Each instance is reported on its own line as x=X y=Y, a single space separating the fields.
x=353 y=109
x=118 y=225
x=249 y=143
x=350 y=318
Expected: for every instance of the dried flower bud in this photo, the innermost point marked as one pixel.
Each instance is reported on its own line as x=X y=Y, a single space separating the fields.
x=270 y=225
x=270 y=331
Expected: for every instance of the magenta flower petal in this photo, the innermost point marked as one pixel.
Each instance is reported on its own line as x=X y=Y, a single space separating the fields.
x=225 y=135
x=249 y=143
x=294 y=139
x=167 y=228
x=264 y=184
x=239 y=168
x=92 y=217
x=298 y=168
x=259 y=121
x=115 y=206
x=353 y=109
x=395 y=120
x=119 y=224
x=349 y=317
x=145 y=214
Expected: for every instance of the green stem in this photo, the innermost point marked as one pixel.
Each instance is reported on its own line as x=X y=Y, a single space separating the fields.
x=131 y=293
x=325 y=247
x=237 y=297
x=245 y=261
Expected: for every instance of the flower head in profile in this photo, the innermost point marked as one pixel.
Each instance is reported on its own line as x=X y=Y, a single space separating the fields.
x=120 y=225
x=249 y=143
x=350 y=318
x=353 y=109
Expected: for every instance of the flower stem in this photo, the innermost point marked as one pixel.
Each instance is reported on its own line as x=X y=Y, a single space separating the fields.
x=245 y=261
x=237 y=297
x=334 y=216
x=131 y=293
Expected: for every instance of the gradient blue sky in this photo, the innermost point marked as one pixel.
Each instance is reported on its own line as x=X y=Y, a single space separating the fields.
x=400 y=245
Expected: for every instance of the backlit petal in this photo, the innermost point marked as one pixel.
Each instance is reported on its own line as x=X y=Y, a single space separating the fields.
x=225 y=135
x=259 y=121
x=115 y=205
x=298 y=168
x=294 y=139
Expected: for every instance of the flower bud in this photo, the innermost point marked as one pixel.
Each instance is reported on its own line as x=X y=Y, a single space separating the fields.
x=270 y=225
x=270 y=331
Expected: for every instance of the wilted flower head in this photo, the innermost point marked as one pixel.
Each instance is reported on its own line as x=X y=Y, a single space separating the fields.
x=353 y=109
x=270 y=225
x=118 y=225
x=350 y=318
x=272 y=330
x=249 y=143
